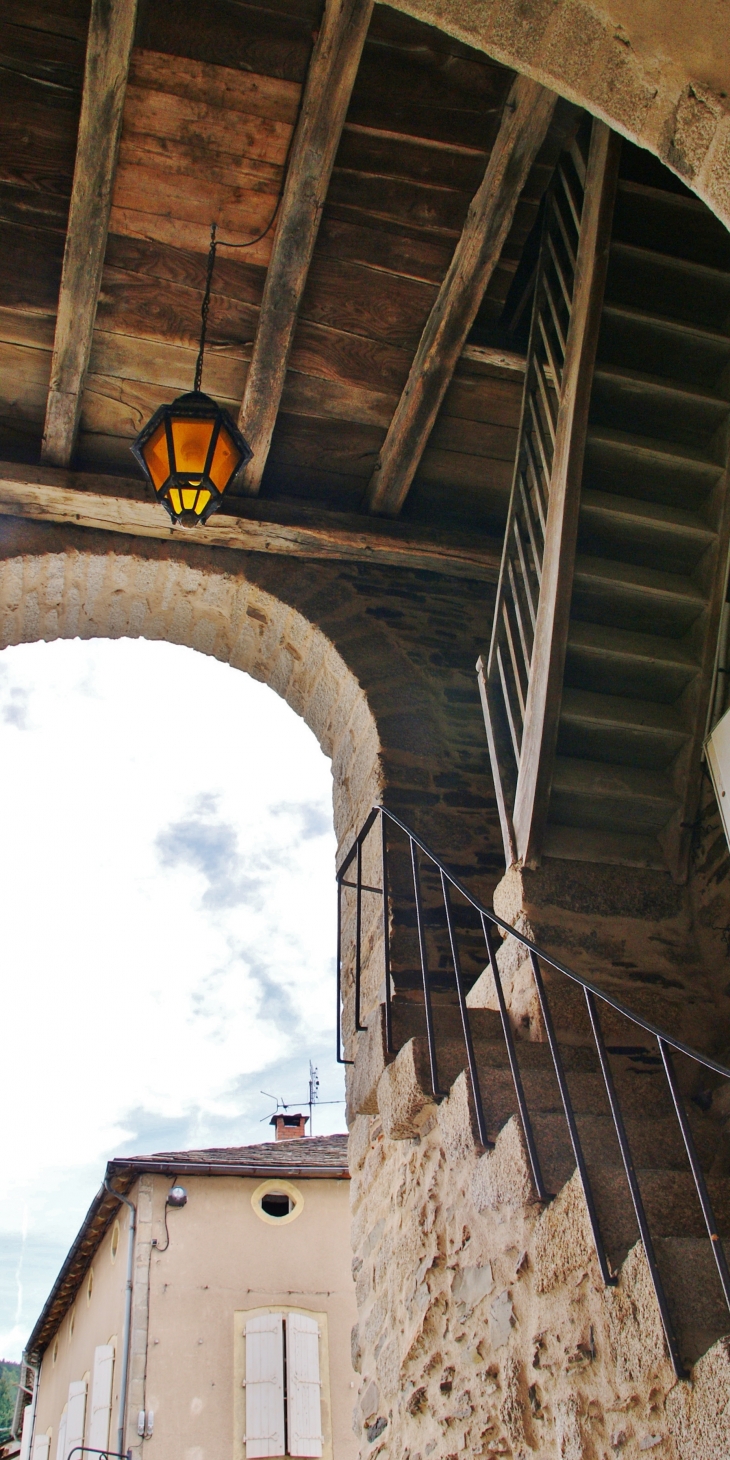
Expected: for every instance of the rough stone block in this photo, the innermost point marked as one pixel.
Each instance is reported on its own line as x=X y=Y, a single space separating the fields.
x=404 y=1105
x=502 y=1177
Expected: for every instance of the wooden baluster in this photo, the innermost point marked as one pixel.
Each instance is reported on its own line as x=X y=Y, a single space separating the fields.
x=537 y=750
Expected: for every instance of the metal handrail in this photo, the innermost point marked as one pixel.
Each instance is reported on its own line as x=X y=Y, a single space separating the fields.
x=106 y=1454
x=489 y=922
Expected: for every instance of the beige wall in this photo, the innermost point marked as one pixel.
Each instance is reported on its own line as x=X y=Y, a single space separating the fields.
x=223 y=1260
x=98 y=1321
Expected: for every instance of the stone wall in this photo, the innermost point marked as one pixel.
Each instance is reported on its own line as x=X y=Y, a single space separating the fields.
x=485 y=1328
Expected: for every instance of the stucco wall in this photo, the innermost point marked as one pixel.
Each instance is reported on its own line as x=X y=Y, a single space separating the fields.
x=94 y=1322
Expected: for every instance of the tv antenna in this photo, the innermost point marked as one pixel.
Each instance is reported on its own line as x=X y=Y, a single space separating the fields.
x=312 y=1099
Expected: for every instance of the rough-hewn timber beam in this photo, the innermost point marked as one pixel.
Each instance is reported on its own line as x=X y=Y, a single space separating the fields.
x=329 y=84
x=108 y=49
x=527 y=116
x=120 y=504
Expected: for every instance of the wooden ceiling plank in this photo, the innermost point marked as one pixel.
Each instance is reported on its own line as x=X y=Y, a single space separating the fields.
x=108 y=51
x=115 y=504
x=527 y=116
x=328 y=88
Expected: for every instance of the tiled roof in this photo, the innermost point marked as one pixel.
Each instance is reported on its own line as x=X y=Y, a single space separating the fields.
x=306 y=1157
x=302 y=1152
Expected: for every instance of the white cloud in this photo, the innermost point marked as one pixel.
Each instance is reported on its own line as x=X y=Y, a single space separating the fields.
x=168 y=914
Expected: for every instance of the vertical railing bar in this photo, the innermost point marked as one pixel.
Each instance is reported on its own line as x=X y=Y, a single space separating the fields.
x=557 y=374
x=509 y=1039
x=569 y=195
x=697 y=1172
x=525 y=578
x=508 y=705
x=430 y=1032
x=359 y=1028
x=386 y=936
x=340 y=1059
x=569 y=249
x=465 y=1021
x=545 y=397
x=537 y=486
x=513 y=657
x=529 y=518
x=567 y=296
x=537 y=428
x=606 y=1273
x=526 y=651
x=556 y=318
x=634 y=1187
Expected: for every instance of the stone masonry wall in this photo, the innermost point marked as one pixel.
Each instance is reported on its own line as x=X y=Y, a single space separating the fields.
x=485 y=1328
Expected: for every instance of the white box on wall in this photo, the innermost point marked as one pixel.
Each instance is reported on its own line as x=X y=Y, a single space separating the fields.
x=717 y=750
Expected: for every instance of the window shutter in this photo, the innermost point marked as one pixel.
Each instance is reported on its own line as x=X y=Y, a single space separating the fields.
x=101 y=1396
x=75 y=1418
x=264 y=1386
x=41 y=1446
x=304 y=1407
x=61 y=1446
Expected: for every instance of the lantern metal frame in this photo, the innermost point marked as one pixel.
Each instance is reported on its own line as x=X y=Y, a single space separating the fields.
x=194 y=406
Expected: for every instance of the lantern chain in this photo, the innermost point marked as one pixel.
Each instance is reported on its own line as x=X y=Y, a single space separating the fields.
x=205 y=308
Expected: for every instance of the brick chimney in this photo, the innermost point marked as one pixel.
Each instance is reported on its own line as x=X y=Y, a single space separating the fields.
x=289 y=1127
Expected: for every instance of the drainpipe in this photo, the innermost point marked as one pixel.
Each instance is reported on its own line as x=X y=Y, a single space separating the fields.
x=124 y=1378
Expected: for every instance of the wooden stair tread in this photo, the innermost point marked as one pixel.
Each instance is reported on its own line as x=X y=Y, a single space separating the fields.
x=654 y=450
x=684 y=329
x=705 y=272
x=612 y=849
x=615 y=710
x=630 y=510
x=642 y=383
x=644 y=580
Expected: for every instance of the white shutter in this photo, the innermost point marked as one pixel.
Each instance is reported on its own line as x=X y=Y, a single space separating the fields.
x=61 y=1446
x=41 y=1447
x=25 y=1434
x=264 y=1386
x=75 y=1418
x=101 y=1397
x=304 y=1408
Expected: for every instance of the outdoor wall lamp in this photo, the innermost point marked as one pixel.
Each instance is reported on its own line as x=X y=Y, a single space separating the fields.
x=191 y=450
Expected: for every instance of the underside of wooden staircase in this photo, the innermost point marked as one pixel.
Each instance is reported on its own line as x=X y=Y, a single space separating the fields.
x=617 y=756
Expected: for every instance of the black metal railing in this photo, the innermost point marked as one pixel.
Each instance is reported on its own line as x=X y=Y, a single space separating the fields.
x=103 y=1454
x=491 y=924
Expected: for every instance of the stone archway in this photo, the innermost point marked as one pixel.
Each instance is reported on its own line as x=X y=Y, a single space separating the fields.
x=657 y=72
x=69 y=591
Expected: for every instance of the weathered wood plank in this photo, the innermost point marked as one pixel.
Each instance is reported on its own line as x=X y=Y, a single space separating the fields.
x=542 y=711
x=329 y=84
x=111 y=32
x=526 y=120
x=216 y=86
x=120 y=505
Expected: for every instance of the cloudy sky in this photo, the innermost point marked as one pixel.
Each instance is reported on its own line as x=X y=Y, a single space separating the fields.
x=168 y=927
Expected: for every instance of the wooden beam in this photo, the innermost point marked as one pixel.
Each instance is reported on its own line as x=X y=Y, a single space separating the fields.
x=108 y=50
x=327 y=93
x=123 y=505
x=528 y=112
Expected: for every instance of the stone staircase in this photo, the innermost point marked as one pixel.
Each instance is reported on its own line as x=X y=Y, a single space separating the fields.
x=683 y=1252
x=652 y=534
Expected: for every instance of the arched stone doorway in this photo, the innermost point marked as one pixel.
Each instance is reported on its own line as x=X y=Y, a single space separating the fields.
x=657 y=73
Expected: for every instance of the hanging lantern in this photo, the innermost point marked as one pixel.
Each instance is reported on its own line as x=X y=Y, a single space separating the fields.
x=190 y=452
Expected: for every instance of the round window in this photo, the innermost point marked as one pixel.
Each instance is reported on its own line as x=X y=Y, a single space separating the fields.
x=90 y=1285
x=55 y=1351
x=277 y=1202
x=71 y=1324
x=114 y=1245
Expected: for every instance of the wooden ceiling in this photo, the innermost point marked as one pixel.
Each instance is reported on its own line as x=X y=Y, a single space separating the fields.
x=214 y=94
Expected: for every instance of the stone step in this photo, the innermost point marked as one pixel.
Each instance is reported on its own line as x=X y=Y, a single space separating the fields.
x=694 y=1294
x=654 y=1143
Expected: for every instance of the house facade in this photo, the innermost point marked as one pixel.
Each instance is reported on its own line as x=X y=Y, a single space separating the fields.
x=237 y=1336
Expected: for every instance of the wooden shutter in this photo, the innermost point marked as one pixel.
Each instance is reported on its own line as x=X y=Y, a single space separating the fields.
x=101 y=1396
x=41 y=1447
x=304 y=1407
x=265 y=1386
x=61 y=1446
x=75 y=1418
